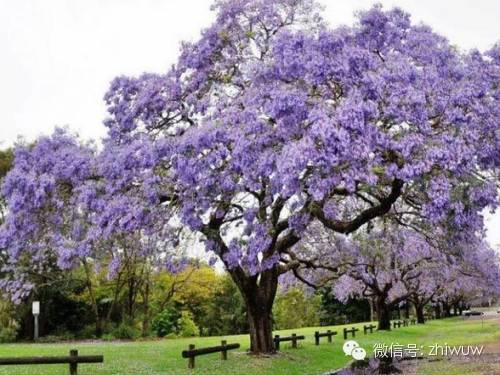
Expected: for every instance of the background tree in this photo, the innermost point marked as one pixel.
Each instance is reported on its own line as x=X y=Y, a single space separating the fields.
x=6 y=157
x=334 y=312
x=295 y=308
x=226 y=311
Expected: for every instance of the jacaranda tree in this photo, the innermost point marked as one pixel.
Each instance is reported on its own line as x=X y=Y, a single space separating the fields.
x=62 y=214
x=272 y=120
x=391 y=264
x=386 y=265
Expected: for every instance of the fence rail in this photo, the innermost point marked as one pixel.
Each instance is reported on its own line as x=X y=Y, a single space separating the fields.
x=370 y=328
x=293 y=338
x=397 y=324
x=192 y=352
x=73 y=360
x=352 y=331
x=329 y=334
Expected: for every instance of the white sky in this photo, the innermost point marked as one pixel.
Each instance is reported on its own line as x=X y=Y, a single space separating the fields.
x=57 y=57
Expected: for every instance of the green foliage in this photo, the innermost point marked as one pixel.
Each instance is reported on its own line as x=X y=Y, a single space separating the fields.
x=194 y=288
x=332 y=311
x=6 y=158
x=295 y=309
x=167 y=321
x=108 y=337
x=7 y=334
x=62 y=313
x=7 y=313
x=226 y=313
x=125 y=331
x=87 y=332
x=187 y=327
x=57 y=337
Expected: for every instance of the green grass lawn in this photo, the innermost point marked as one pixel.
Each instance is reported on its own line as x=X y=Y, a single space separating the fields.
x=164 y=356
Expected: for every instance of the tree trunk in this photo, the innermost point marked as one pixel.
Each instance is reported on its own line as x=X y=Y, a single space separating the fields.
x=419 y=309
x=258 y=293
x=437 y=310
x=383 y=314
x=131 y=298
x=370 y=301
x=146 y=318
x=93 y=300
x=461 y=309
x=446 y=310
x=407 y=310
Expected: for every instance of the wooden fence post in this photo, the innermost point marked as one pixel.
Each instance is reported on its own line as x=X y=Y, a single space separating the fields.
x=223 y=353
x=277 y=342
x=329 y=335
x=73 y=366
x=191 y=359
x=316 y=337
x=294 y=340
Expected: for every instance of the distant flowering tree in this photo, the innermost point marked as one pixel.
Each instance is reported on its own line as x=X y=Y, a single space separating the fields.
x=391 y=264
x=62 y=213
x=272 y=120
x=474 y=276
x=433 y=281
x=387 y=265
x=37 y=218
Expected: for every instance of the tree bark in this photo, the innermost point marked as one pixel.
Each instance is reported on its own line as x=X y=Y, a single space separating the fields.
x=370 y=301
x=407 y=310
x=146 y=318
x=437 y=310
x=93 y=300
x=258 y=293
x=446 y=310
x=383 y=314
x=419 y=309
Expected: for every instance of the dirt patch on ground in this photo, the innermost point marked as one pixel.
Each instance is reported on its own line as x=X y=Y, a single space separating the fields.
x=487 y=363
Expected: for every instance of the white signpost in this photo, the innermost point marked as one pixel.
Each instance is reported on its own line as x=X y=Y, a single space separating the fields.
x=36 y=312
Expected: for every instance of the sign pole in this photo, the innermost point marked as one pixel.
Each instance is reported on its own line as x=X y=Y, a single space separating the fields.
x=36 y=313
x=35 y=335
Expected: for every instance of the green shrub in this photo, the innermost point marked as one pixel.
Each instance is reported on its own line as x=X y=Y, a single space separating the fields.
x=108 y=337
x=87 y=332
x=49 y=339
x=187 y=327
x=294 y=308
x=125 y=332
x=166 y=322
x=7 y=335
x=64 y=335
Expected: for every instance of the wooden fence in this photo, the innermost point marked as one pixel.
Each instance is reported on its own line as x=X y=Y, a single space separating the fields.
x=192 y=353
x=328 y=334
x=73 y=360
x=370 y=328
x=293 y=338
x=352 y=331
